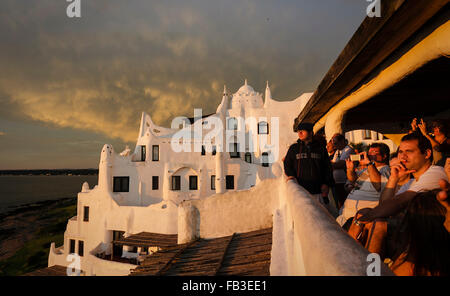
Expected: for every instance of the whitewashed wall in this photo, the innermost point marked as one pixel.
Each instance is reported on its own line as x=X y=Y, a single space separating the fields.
x=306 y=238
x=316 y=244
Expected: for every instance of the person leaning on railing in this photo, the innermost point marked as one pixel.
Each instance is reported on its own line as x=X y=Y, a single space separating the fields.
x=307 y=163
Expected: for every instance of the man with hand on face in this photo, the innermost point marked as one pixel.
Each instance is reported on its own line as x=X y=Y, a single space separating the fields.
x=307 y=163
x=368 y=183
x=415 y=156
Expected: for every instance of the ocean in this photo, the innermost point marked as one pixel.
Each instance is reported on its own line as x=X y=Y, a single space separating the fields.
x=20 y=190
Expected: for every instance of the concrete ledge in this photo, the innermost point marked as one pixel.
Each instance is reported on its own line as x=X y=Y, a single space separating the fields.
x=327 y=250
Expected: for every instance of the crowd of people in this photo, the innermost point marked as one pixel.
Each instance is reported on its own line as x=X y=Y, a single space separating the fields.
x=408 y=190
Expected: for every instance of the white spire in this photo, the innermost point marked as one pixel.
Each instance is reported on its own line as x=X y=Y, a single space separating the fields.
x=268 y=95
x=245 y=81
x=224 y=104
x=142 y=127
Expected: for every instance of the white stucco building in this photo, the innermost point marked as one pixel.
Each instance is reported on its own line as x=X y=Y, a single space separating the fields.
x=183 y=196
x=140 y=191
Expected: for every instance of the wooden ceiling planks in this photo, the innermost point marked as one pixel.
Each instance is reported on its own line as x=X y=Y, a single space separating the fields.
x=148 y=239
x=238 y=254
x=55 y=270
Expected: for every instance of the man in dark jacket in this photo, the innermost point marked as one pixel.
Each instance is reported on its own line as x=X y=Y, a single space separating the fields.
x=308 y=163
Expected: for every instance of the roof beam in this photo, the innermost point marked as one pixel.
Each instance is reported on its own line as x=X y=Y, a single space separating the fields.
x=372 y=43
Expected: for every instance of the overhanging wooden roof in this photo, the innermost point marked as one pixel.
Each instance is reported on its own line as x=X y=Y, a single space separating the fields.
x=148 y=239
x=238 y=254
x=423 y=94
x=374 y=41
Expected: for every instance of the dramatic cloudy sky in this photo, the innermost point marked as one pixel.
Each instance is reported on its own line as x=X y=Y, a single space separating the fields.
x=67 y=86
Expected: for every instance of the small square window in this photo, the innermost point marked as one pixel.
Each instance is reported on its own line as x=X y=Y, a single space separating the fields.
x=263 y=128
x=121 y=184
x=155 y=182
x=193 y=182
x=234 y=150
x=86 y=214
x=117 y=235
x=203 y=150
x=248 y=157
x=155 y=153
x=176 y=183
x=232 y=123
x=229 y=182
x=213 y=182
x=265 y=159
x=143 y=153
x=72 y=247
x=81 y=248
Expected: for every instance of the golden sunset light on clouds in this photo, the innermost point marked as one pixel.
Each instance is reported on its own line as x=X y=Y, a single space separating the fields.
x=68 y=85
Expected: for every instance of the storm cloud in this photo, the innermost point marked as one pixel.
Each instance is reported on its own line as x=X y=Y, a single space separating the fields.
x=98 y=73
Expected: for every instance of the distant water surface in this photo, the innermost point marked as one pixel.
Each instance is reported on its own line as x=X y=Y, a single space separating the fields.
x=19 y=190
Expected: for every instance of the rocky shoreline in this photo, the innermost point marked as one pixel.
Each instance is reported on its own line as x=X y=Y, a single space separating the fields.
x=39 y=221
x=15 y=210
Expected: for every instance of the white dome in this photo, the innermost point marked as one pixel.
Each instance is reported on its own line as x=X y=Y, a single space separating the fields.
x=246 y=89
x=245 y=97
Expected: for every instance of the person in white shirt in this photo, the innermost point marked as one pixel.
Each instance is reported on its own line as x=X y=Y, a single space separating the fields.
x=342 y=153
x=368 y=182
x=415 y=155
x=444 y=195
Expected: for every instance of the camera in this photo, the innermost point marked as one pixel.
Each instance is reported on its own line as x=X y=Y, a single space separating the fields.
x=356 y=157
